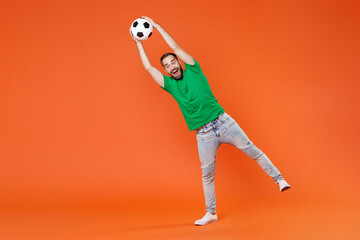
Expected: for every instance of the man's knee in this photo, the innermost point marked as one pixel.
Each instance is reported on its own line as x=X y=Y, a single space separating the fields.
x=208 y=172
x=252 y=151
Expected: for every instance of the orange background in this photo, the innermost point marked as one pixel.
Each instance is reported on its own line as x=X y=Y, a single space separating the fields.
x=92 y=148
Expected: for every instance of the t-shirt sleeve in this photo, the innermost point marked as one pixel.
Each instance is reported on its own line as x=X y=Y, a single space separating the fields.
x=194 y=68
x=167 y=84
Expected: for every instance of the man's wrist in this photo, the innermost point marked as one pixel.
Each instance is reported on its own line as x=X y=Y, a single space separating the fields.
x=155 y=25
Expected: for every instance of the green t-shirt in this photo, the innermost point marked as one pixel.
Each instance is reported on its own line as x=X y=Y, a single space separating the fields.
x=194 y=96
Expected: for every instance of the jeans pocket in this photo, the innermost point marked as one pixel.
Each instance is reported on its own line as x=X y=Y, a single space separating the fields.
x=204 y=136
x=227 y=123
x=223 y=117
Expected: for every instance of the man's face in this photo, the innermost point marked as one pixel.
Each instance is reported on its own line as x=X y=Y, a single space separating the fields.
x=172 y=67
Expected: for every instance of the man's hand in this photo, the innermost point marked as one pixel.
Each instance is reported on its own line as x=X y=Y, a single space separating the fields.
x=151 y=21
x=136 y=41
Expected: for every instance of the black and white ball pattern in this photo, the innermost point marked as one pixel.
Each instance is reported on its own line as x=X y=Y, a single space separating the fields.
x=141 y=29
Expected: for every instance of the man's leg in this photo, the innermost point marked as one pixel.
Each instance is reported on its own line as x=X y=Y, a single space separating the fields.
x=234 y=135
x=208 y=145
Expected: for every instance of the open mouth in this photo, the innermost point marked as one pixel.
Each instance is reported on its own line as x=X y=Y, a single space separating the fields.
x=176 y=72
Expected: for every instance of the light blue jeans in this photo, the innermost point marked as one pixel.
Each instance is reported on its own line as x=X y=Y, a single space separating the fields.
x=224 y=129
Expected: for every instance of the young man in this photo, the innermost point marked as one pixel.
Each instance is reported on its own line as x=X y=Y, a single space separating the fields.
x=203 y=113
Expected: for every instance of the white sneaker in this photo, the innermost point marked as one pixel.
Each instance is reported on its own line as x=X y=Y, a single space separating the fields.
x=283 y=185
x=208 y=218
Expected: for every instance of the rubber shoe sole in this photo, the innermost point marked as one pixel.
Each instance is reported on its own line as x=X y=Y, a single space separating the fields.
x=204 y=223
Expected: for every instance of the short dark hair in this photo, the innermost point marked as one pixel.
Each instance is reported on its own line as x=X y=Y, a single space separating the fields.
x=166 y=55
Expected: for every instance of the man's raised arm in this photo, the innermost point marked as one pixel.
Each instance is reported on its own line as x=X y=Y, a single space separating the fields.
x=187 y=58
x=155 y=74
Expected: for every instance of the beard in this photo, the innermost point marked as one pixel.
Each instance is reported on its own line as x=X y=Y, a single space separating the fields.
x=181 y=75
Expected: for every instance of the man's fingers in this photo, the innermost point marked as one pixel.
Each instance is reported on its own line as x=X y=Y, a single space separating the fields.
x=148 y=19
x=132 y=36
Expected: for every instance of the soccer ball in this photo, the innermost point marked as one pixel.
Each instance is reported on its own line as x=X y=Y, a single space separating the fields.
x=141 y=29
